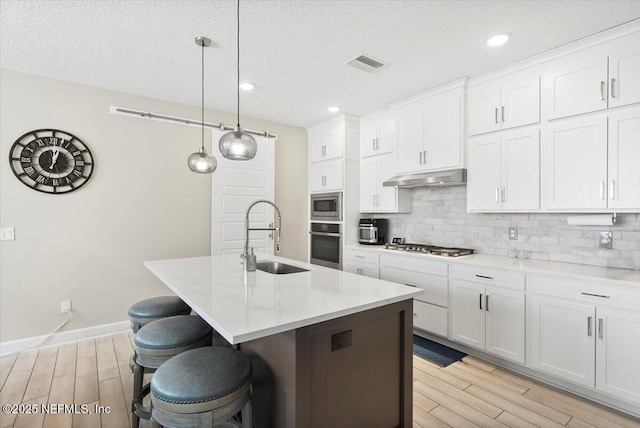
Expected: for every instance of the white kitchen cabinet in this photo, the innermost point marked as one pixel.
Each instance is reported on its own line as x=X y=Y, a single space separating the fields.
x=576 y=164
x=618 y=353
x=562 y=338
x=374 y=197
x=506 y=103
x=430 y=135
x=325 y=176
x=430 y=308
x=487 y=310
x=378 y=136
x=599 y=343
x=624 y=160
x=361 y=262
x=504 y=171
x=326 y=143
x=596 y=78
x=592 y=166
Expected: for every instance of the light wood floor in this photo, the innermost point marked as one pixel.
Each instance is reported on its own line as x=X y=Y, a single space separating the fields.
x=468 y=393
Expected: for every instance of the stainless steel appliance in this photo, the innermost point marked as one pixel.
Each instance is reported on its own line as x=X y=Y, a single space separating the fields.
x=373 y=231
x=326 y=206
x=326 y=245
x=430 y=249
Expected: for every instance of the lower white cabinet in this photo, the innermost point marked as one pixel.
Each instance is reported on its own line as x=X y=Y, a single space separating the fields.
x=488 y=312
x=575 y=332
x=361 y=262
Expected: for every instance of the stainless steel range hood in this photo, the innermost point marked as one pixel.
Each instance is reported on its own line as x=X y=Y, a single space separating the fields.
x=452 y=177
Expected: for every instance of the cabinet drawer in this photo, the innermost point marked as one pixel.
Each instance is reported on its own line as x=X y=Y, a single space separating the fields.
x=435 y=287
x=430 y=318
x=585 y=291
x=483 y=275
x=361 y=256
x=417 y=263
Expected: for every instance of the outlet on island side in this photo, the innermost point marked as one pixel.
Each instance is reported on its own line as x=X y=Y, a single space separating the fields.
x=65 y=306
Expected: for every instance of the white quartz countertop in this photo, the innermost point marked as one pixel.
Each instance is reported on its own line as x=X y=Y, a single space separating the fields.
x=244 y=306
x=615 y=276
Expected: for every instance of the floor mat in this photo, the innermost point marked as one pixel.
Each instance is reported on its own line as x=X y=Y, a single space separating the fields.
x=435 y=352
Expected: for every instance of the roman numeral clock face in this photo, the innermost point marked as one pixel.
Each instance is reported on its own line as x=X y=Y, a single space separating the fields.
x=51 y=161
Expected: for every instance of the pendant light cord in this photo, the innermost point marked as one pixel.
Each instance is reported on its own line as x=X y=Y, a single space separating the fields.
x=238 y=62
x=202 y=96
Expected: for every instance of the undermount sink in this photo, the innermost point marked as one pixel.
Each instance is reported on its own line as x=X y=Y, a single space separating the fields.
x=278 y=268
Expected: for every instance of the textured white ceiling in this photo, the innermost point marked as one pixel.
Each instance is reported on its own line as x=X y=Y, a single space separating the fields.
x=294 y=51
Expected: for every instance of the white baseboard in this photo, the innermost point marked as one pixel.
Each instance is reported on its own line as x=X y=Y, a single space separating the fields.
x=64 y=337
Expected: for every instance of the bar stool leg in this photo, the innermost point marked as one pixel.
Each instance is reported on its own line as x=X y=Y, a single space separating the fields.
x=136 y=401
x=247 y=415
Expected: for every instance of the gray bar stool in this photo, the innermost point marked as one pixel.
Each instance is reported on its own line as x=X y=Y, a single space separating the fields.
x=157 y=342
x=202 y=388
x=155 y=308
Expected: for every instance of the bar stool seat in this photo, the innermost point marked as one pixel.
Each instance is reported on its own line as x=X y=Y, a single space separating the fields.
x=202 y=388
x=155 y=343
x=155 y=308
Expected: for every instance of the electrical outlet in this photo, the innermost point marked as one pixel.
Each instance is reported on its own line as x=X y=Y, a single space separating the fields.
x=605 y=240
x=7 y=234
x=65 y=306
x=513 y=233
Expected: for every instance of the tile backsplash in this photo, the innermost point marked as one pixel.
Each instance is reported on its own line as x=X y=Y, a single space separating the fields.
x=439 y=216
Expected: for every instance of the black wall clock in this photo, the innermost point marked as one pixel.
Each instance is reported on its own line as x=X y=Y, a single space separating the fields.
x=51 y=161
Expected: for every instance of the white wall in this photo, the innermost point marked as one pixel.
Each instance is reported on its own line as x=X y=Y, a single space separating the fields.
x=142 y=203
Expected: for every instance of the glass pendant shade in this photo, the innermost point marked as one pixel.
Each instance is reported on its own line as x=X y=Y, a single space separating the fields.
x=202 y=162
x=238 y=145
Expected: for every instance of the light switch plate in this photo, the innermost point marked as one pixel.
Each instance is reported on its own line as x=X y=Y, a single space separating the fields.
x=7 y=234
x=606 y=240
x=513 y=233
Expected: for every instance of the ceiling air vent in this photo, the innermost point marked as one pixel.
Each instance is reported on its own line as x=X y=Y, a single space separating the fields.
x=366 y=63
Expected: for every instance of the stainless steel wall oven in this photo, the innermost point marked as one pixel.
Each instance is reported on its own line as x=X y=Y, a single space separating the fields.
x=326 y=245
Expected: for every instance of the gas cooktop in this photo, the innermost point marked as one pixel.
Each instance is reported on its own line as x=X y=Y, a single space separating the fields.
x=430 y=249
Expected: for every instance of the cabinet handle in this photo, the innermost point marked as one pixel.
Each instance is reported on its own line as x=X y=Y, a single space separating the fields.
x=496 y=115
x=373 y=144
x=377 y=143
x=613 y=95
x=502 y=192
x=359 y=257
x=424 y=156
x=420 y=156
x=589 y=326
x=483 y=276
x=602 y=190
x=602 y=90
x=612 y=189
x=497 y=195
x=502 y=114
x=595 y=295
x=411 y=285
x=600 y=328
x=486 y=303
x=480 y=301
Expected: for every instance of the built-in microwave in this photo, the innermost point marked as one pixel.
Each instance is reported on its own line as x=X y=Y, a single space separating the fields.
x=326 y=206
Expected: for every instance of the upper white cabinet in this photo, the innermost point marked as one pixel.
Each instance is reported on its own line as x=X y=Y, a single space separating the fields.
x=592 y=166
x=506 y=103
x=504 y=171
x=378 y=136
x=326 y=143
x=326 y=176
x=593 y=79
x=374 y=197
x=624 y=160
x=430 y=133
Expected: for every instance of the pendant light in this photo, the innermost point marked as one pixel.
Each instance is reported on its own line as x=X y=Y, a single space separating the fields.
x=201 y=161
x=238 y=145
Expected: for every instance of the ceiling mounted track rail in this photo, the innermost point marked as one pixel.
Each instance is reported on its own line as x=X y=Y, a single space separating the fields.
x=182 y=121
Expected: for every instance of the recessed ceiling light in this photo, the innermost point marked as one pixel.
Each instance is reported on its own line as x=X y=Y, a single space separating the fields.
x=247 y=86
x=334 y=109
x=498 y=39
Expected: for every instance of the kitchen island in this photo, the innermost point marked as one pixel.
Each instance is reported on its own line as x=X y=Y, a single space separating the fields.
x=328 y=348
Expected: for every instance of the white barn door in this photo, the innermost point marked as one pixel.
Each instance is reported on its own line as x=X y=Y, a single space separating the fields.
x=234 y=186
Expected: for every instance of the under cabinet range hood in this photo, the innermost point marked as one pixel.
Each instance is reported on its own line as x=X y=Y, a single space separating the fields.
x=452 y=177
